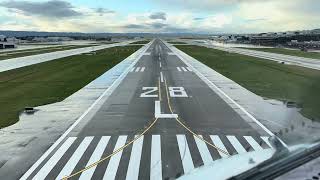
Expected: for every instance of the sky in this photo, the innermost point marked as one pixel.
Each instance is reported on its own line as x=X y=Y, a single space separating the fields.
x=160 y=16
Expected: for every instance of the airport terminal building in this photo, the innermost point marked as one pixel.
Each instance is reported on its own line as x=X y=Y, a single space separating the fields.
x=7 y=42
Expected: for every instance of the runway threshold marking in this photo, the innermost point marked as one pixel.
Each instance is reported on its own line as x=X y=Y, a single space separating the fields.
x=185 y=154
x=218 y=143
x=135 y=157
x=114 y=161
x=45 y=170
x=253 y=143
x=72 y=162
x=236 y=144
x=96 y=155
x=156 y=164
x=136 y=153
x=204 y=151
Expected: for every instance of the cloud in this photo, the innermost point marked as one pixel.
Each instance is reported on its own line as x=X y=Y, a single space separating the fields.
x=256 y=19
x=102 y=11
x=158 y=15
x=198 y=18
x=157 y=25
x=134 y=26
x=52 y=8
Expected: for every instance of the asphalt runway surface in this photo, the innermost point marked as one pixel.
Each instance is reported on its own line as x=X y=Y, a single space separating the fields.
x=158 y=90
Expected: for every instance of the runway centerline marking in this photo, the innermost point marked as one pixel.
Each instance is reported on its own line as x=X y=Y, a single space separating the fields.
x=161 y=77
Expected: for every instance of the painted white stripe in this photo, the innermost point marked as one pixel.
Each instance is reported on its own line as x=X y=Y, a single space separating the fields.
x=135 y=157
x=132 y=69
x=184 y=69
x=217 y=142
x=45 y=170
x=266 y=139
x=64 y=135
x=185 y=154
x=156 y=164
x=178 y=69
x=160 y=58
x=142 y=69
x=72 y=162
x=137 y=69
x=157 y=111
x=160 y=64
x=253 y=143
x=189 y=69
x=161 y=77
x=112 y=168
x=204 y=151
x=96 y=155
x=236 y=144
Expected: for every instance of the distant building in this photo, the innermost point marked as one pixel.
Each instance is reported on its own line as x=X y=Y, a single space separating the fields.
x=7 y=42
x=51 y=39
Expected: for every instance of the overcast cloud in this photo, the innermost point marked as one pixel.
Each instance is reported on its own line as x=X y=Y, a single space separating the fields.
x=53 y=8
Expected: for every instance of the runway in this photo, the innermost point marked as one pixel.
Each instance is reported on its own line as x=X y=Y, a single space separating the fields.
x=184 y=125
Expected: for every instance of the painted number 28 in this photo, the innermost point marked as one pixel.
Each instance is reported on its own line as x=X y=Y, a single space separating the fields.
x=173 y=91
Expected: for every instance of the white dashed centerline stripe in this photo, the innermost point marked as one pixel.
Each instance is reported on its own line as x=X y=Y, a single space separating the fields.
x=142 y=69
x=236 y=144
x=72 y=162
x=178 y=69
x=185 y=155
x=204 y=151
x=253 y=143
x=135 y=157
x=137 y=69
x=217 y=142
x=156 y=164
x=184 y=69
x=96 y=155
x=113 y=165
x=161 y=77
x=45 y=170
x=160 y=64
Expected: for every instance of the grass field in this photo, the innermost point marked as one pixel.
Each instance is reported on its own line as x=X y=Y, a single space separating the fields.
x=141 y=42
x=29 y=52
x=299 y=53
x=53 y=81
x=265 y=78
